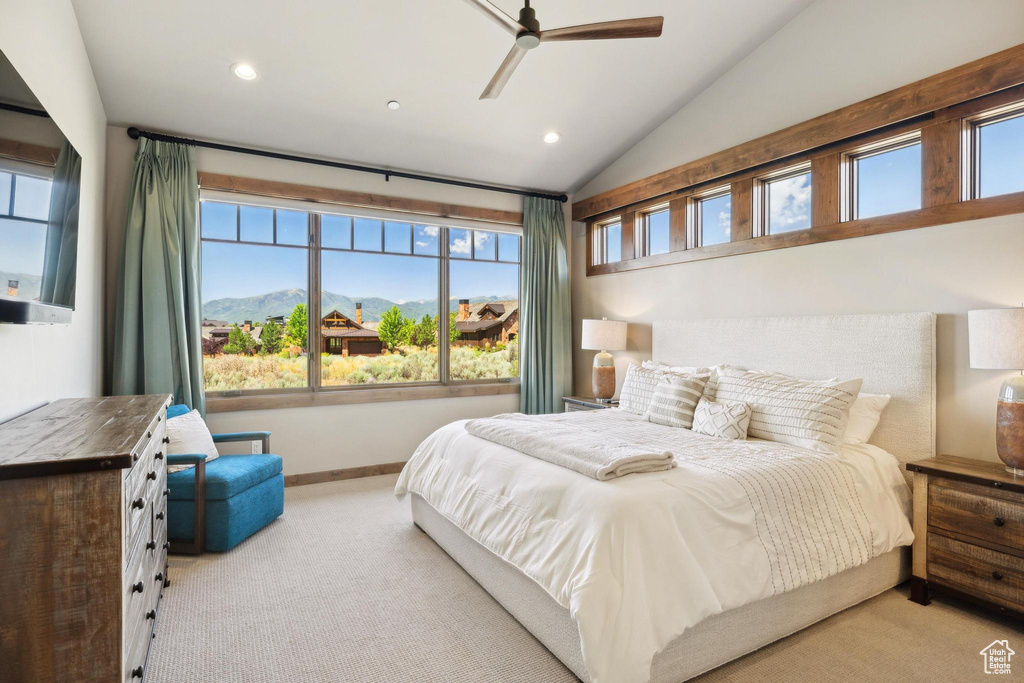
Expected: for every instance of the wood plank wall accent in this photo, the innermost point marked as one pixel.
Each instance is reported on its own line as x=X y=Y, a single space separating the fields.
x=939 y=108
x=26 y=151
x=324 y=195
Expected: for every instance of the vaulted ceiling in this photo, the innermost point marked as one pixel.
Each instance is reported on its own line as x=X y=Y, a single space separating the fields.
x=328 y=68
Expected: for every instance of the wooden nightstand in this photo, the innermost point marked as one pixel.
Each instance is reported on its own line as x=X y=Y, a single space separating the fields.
x=573 y=403
x=968 y=532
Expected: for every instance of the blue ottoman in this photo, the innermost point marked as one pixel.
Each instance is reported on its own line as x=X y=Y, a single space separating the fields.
x=242 y=494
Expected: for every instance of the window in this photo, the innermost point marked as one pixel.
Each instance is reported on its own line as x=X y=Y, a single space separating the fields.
x=885 y=178
x=656 y=232
x=999 y=153
x=713 y=215
x=786 y=201
x=379 y=297
x=608 y=242
x=24 y=209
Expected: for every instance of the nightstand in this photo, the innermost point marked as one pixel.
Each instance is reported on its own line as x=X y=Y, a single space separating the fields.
x=574 y=403
x=968 y=532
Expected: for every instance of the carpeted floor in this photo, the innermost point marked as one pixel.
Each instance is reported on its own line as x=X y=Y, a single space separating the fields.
x=344 y=588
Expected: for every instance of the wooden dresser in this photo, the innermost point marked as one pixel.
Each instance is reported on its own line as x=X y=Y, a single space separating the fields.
x=83 y=538
x=968 y=532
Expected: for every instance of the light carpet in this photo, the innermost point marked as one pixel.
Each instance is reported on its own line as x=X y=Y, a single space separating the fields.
x=343 y=587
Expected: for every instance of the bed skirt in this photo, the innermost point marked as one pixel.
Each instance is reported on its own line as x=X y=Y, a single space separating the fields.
x=711 y=643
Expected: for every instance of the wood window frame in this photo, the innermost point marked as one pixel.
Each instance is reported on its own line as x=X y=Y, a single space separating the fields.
x=946 y=109
x=971 y=144
x=696 y=213
x=848 y=179
x=643 y=227
x=761 y=218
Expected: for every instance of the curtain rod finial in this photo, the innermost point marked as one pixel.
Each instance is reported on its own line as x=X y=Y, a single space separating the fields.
x=134 y=133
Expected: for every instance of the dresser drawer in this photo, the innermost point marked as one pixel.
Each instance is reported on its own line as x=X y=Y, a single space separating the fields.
x=977 y=511
x=976 y=570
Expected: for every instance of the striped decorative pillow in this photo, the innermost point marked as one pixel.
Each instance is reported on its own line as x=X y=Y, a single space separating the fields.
x=809 y=414
x=638 y=388
x=675 y=399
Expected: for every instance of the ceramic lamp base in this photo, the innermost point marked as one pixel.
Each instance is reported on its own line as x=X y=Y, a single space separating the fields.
x=604 y=376
x=1010 y=425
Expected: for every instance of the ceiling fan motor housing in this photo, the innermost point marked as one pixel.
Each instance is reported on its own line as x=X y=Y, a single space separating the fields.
x=530 y=38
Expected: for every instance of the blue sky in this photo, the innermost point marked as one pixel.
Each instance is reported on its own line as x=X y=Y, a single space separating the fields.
x=242 y=270
x=21 y=243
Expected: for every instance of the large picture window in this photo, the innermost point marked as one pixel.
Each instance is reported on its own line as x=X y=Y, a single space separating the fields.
x=379 y=287
x=24 y=208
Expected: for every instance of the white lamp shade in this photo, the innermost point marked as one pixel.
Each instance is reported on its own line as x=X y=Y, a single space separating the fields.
x=604 y=335
x=996 y=338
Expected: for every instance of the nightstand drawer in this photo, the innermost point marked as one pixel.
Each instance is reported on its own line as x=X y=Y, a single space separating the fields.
x=976 y=570
x=977 y=511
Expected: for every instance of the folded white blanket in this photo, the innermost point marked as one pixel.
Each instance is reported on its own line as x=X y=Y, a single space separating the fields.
x=564 y=439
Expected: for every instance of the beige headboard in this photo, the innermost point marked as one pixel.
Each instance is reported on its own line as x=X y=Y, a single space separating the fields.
x=894 y=353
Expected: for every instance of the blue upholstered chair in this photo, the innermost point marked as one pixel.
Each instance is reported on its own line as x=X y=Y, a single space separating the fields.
x=218 y=505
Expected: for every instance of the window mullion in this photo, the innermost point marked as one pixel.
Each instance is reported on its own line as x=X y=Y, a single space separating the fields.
x=313 y=302
x=443 y=322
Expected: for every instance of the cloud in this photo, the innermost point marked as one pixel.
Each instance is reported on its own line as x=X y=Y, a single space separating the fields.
x=790 y=203
x=429 y=230
x=460 y=245
x=482 y=238
x=422 y=245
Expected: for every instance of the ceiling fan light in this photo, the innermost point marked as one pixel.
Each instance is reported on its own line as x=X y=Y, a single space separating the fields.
x=527 y=40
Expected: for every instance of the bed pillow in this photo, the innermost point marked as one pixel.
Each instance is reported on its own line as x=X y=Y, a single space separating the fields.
x=674 y=399
x=722 y=419
x=865 y=413
x=675 y=369
x=806 y=413
x=189 y=434
x=638 y=388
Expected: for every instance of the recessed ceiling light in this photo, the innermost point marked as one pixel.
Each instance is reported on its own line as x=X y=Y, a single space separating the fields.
x=394 y=104
x=552 y=137
x=247 y=72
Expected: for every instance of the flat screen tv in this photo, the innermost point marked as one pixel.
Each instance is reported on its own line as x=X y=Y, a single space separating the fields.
x=40 y=174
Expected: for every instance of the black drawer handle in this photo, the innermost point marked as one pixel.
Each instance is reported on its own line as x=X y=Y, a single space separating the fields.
x=135 y=457
x=159 y=515
x=137 y=672
x=167 y=439
x=159 y=455
x=151 y=545
x=166 y=491
x=159 y=577
x=997 y=576
x=138 y=503
x=997 y=484
x=998 y=521
x=151 y=614
x=138 y=588
x=167 y=544
x=149 y=435
x=151 y=475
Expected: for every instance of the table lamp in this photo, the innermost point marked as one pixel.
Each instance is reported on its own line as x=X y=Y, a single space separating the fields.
x=604 y=335
x=997 y=343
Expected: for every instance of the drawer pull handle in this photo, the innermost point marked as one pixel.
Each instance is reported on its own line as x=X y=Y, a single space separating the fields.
x=997 y=576
x=138 y=503
x=167 y=544
x=138 y=588
x=135 y=457
x=998 y=521
x=167 y=582
x=160 y=576
x=149 y=435
x=137 y=672
x=159 y=455
x=151 y=545
x=997 y=484
x=151 y=475
x=151 y=614
x=166 y=491
x=167 y=439
x=159 y=515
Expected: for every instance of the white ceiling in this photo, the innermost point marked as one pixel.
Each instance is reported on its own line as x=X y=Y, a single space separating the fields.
x=328 y=68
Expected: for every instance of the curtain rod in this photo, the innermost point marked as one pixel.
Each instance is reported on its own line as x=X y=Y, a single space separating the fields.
x=24 y=110
x=135 y=133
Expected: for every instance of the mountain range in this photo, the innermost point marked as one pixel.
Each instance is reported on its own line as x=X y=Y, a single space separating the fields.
x=282 y=302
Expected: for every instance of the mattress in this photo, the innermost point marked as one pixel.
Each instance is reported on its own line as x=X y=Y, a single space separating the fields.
x=711 y=643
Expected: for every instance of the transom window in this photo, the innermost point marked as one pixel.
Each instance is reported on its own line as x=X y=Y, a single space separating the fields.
x=998 y=145
x=655 y=227
x=884 y=178
x=713 y=217
x=297 y=300
x=608 y=242
x=786 y=201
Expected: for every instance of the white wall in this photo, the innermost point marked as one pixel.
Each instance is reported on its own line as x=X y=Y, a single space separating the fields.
x=833 y=54
x=328 y=437
x=41 y=363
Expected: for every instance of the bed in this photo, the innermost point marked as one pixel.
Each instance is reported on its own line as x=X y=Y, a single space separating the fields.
x=705 y=598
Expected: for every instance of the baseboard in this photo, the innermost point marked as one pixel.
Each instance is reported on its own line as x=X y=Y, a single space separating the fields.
x=340 y=475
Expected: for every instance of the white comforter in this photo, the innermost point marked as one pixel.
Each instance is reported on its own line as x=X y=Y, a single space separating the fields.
x=639 y=559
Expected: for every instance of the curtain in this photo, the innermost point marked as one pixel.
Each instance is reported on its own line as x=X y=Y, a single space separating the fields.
x=60 y=252
x=545 y=341
x=157 y=336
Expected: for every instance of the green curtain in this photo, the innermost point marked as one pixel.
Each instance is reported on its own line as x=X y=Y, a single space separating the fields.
x=545 y=340
x=157 y=338
x=60 y=251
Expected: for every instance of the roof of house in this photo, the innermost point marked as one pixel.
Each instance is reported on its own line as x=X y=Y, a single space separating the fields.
x=350 y=333
x=502 y=310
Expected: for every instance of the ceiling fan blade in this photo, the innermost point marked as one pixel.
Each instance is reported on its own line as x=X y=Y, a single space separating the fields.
x=647 y=27
x=499 y=17
x=504 y=72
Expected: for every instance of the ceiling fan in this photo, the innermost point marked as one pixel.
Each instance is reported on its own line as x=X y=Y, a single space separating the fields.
x=528 y=36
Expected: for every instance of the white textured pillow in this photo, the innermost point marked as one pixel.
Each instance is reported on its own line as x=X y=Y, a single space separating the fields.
x=674 y=399
x=675 y=369
x=189 y=434
x=723 y=419
x=865 y=413
x=806 y=413
x=638 y=388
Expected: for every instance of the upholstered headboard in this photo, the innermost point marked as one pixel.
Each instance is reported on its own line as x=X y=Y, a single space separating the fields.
x=894 y=353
